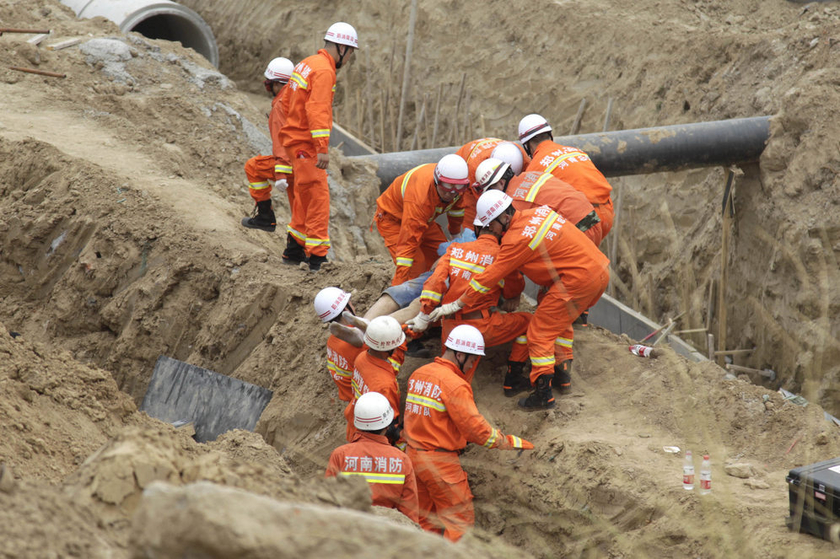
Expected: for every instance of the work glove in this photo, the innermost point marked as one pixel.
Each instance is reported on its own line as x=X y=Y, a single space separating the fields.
x=512 y=442
x=352 y=336
x=464 y=236
x=357 y=321
x=281 y=185
x=446 y=310
x=419 y=323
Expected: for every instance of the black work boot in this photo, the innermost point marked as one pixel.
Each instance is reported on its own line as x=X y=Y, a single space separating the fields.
x=563 y=376
x=294 y=253
x=583 y=319
x=263 y=217
x=315 y=262
x=514 y=381
x=541 y=398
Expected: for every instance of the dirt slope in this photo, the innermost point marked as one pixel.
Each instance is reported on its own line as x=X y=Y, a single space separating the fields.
x=123 y=188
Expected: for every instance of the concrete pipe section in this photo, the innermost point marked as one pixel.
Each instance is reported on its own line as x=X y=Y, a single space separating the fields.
x=155 y=19
x=634 y=152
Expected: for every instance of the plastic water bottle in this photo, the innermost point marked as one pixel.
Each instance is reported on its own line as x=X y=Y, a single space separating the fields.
x=644 y=351
x=705 y=476
x=688 y=471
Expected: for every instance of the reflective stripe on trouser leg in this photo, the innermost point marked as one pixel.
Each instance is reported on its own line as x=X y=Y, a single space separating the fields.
x=551 y=320
x=312 y=197
x=259 y=170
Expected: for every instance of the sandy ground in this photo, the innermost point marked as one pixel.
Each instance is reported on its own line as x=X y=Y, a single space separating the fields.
x=122 y=188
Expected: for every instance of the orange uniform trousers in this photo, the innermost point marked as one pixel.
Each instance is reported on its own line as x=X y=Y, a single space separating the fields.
x=550 y=334
x=606 y=212
x=497 y=328
x=443 y=493
x=310 y=225
x=426 y=254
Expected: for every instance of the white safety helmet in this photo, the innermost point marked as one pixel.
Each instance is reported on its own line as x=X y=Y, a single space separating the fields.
x=384 y=333
x=342 y=34
x=466 y=339
x=491 y=205
x=329 y=302
x=531 y=125
x=490 y=171
x=279 y=70
x=510 y=154
x=372 y=412
x=452 y=169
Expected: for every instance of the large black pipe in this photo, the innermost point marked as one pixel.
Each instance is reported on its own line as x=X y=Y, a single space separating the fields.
x=633 y=152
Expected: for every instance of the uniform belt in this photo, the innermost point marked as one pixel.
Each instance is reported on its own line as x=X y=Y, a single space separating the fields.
x=588 y=221
x=473 y=315
x=459 y=451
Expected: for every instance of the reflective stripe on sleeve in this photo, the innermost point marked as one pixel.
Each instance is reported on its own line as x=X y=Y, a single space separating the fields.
x=521 y=340
x=492 y=439
x=336 y=370
x=403 y=261
x=478 y=287
x=431 y=295
x=283 y=169
x=321 y=133
x=456 y=213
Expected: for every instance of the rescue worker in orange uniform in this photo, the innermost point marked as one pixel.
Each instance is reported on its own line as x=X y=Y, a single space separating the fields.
x=387 y=470
x=474 y=153
x=451 y=278
x=406 y=212
x=275 y=167
x=568 y=164
x=307 y=103
x=440 y=419
x=554 y=254
x=330 y=304
x=535 y=189
x=376 y=369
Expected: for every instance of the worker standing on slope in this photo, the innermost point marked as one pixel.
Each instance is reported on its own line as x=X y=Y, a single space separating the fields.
x=387 y=470
x=330 y=304
x=376 y=369
x=307 y=103
x=440 y=419
x=451 y=278
x=554 y=254
x=406 y=212
x=568 y=164
x=534 y=189
x=275 y=167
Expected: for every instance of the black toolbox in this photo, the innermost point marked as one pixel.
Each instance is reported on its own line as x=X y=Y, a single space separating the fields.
x=814 y=494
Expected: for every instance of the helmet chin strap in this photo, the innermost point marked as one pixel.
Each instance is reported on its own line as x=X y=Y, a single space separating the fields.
x=341 y=55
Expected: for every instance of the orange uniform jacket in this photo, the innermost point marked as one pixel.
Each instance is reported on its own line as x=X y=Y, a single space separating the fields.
x=387 y=470
x=440 y=411
x=372 y=374
x=545 y=247
x=474 y=153
x=340 y=359
x=413 y=201
x=307 y=102
x=461 y=262
x=276 y=120
x=535 y=189
x=573 y=166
